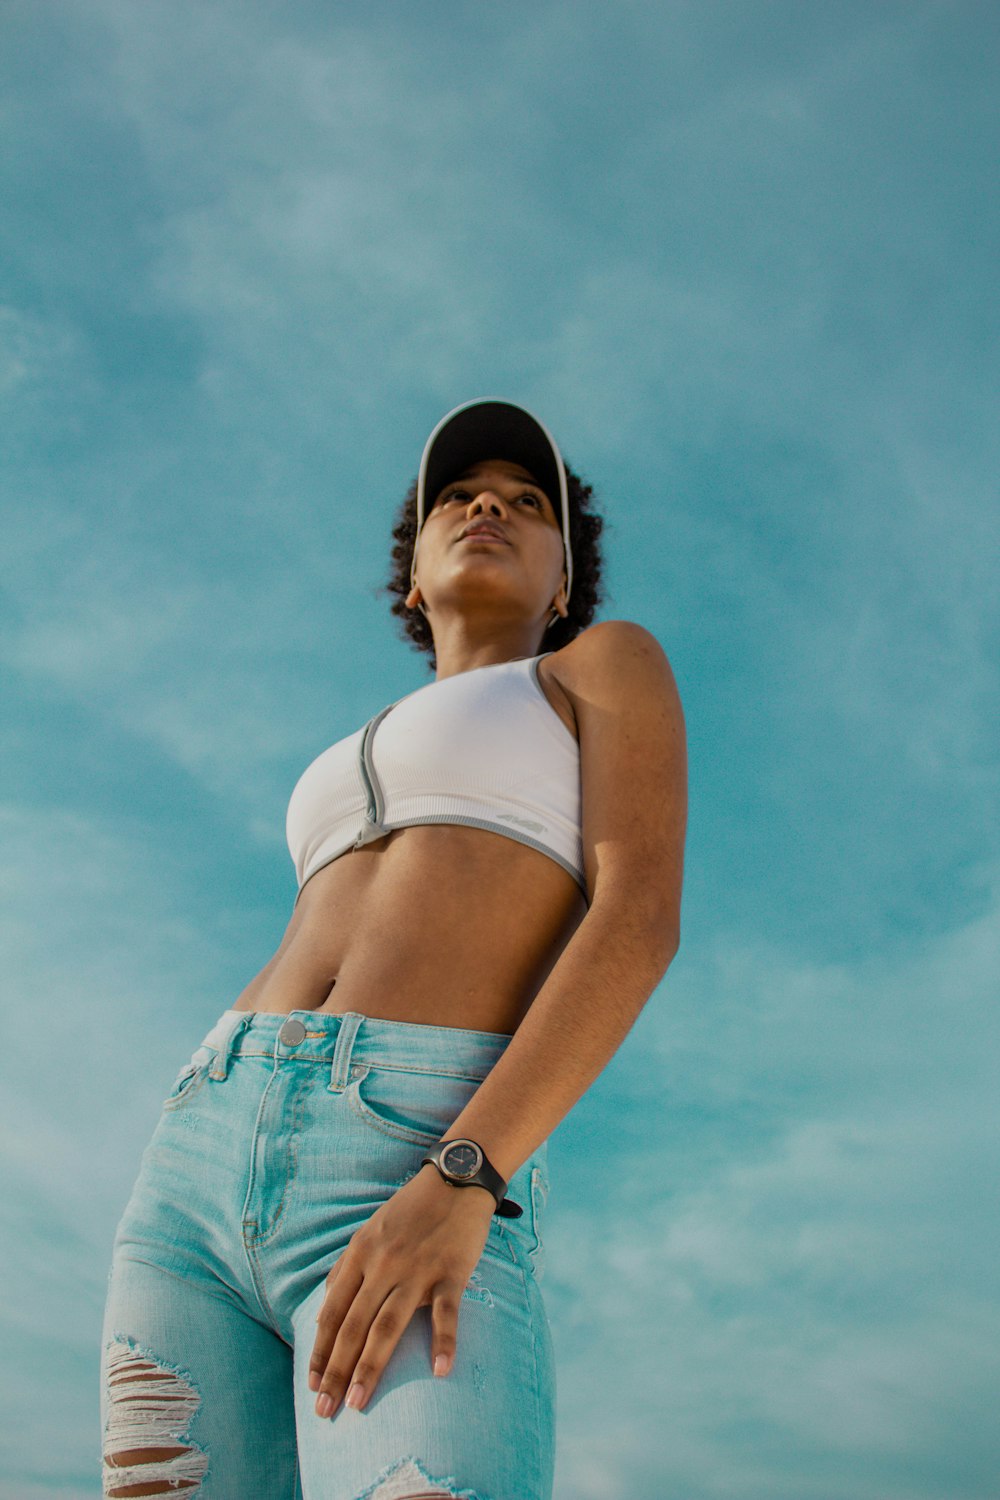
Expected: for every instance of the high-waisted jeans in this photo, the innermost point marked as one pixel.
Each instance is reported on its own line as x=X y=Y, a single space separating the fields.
x=278 y=1140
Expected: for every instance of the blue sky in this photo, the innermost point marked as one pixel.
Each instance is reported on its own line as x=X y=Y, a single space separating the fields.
x=741 y=258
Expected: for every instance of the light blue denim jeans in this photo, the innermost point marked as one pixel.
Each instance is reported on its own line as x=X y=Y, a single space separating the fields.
x=269 y=1153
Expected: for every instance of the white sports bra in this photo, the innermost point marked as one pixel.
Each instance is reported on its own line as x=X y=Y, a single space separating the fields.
x=484 y=748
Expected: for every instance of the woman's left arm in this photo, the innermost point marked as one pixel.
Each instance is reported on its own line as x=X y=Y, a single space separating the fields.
x=633 y=766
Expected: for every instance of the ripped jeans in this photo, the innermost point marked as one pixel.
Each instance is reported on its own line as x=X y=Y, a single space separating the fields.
x=278 y=1140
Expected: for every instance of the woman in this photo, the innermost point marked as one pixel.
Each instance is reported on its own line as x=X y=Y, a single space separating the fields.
x=313 y=1294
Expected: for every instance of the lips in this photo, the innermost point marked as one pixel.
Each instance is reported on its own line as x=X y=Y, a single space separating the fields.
x=483 y=528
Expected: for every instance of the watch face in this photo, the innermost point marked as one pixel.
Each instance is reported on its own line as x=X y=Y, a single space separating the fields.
x=462 y=1159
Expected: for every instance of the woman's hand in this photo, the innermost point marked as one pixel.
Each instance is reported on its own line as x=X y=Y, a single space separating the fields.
x=418 y=1249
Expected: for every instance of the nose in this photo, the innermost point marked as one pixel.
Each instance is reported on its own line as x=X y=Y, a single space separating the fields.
x=486 y=501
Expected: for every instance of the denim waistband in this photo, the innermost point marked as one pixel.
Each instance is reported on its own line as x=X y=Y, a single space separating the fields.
x=348 y=1040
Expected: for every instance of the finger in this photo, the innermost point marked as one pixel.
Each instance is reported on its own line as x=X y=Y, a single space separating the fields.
x=341 y=1290
x=330 y=1278
x=353 y=1333
x=387 y=1328
x=445 y=1304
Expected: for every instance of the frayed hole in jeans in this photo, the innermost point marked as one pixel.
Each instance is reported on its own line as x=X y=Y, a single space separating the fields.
x=146 y=1447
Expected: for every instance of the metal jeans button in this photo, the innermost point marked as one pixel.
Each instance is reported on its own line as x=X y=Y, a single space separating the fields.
x=292 y=1032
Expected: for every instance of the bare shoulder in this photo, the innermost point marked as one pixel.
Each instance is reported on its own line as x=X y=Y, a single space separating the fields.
x=615 y=661
x=633 y=768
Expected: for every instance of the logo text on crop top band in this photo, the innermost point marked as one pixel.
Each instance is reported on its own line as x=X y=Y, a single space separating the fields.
x=522 y=822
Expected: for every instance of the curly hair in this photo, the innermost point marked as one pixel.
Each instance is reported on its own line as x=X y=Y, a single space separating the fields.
x=585 y=528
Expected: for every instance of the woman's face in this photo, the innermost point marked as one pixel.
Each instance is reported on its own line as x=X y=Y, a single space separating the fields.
x=492 y=532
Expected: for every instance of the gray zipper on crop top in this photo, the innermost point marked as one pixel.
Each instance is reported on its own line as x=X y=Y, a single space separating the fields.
x=372 y=828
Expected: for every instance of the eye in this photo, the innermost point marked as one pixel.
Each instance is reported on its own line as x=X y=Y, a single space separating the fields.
x=533 y=498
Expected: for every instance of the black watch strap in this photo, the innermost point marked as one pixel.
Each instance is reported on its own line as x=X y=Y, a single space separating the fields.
x=464 y=1163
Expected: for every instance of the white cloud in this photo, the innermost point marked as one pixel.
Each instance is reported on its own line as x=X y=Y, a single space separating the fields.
x=821 y=1284
x=36 y=352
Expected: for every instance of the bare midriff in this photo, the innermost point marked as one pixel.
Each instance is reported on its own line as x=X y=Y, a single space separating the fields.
x=439 y=924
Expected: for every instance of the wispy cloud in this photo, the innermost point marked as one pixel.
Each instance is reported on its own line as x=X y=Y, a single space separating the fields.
x=797 y=1290
x=743 y=263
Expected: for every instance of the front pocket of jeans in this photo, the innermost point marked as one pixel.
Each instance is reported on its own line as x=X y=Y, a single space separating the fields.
x=190 y=1077
x=410 y=1105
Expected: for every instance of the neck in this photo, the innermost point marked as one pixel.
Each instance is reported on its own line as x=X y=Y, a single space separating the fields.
x=458 y=647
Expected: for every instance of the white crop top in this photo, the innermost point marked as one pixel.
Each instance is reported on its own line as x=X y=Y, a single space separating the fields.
x=484 y=748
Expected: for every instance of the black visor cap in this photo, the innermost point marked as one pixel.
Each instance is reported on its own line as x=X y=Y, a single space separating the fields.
x=492 y=429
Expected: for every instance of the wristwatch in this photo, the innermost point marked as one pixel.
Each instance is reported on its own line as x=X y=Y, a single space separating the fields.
x=463 y=1163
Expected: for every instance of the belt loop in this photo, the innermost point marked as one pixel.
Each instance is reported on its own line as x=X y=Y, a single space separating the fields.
x=346 y=1032
x=223 y=1040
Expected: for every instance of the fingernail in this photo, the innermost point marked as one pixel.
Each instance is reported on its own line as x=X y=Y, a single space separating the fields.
x=355 y=1395
x=324 y=1406
x=441 y=1364
x=314 y=1380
